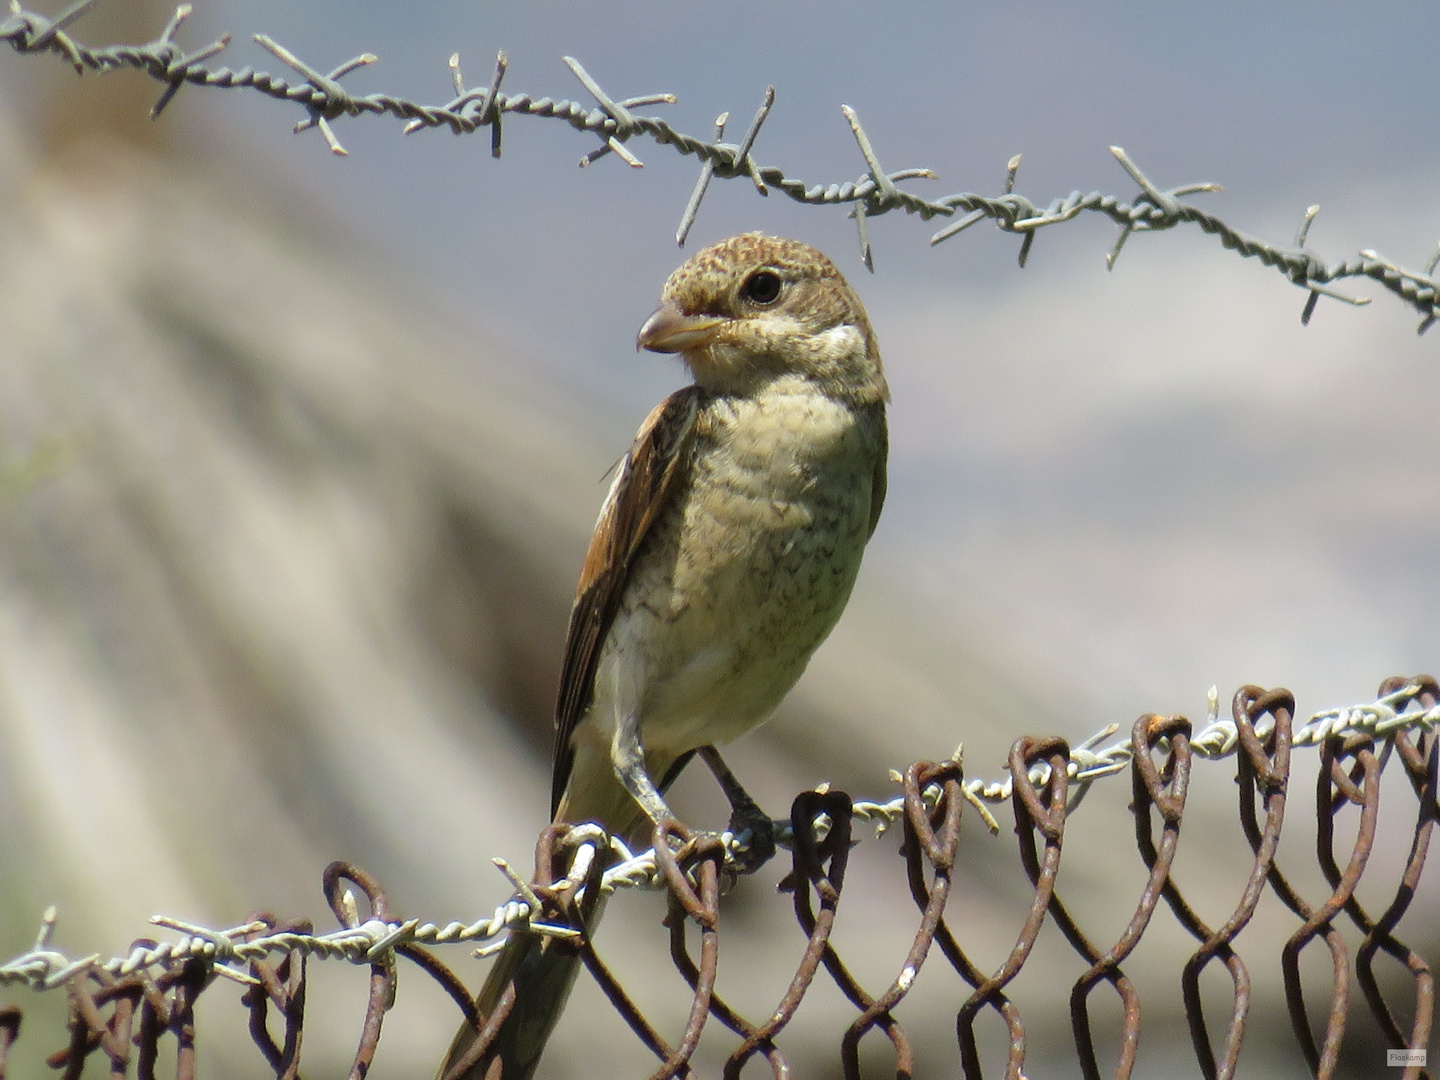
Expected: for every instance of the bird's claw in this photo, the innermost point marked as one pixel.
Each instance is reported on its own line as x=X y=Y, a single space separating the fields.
x=753 y=843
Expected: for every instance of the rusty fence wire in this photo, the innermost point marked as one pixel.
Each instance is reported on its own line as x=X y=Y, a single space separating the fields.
x=618 y=127
x=124 y=1008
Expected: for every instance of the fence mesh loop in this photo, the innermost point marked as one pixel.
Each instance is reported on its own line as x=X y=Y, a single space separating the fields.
x=281 y=985
x=129 y=1009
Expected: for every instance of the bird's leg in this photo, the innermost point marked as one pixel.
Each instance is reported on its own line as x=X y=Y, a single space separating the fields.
x=745 y=815
x=627 y=755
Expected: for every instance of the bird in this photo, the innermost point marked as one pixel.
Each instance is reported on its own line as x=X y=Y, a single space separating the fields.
x=724 y=554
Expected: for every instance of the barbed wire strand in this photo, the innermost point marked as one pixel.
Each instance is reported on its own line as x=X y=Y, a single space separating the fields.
x=164 y=982
x=366 y=941
x=616 y=125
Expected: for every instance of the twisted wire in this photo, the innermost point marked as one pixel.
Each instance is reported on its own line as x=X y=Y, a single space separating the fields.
x=374 y=940
x=616 y=125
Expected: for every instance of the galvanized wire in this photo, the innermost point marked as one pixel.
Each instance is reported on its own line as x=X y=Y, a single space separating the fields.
x=156 y=984
x=362 y=941
x=617 y=126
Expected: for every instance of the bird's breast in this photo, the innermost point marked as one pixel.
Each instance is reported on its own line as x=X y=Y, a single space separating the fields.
x=748 y=570
x=778 y=484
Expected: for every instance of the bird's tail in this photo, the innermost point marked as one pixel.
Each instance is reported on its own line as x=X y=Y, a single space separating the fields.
x=541 y=971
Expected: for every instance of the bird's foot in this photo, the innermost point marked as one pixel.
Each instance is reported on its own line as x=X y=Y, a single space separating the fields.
x=751 y=827
x=747 y=845
x=753 y=843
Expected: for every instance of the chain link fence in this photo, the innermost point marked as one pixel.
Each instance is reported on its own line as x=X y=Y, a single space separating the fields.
x=126 y=1007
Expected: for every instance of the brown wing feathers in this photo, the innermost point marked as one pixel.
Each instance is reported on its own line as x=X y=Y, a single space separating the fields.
x=642 y=489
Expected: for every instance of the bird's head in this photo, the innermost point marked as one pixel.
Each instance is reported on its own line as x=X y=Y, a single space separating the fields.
x=752 y=309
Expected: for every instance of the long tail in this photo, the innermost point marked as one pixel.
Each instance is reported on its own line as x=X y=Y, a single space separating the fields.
x=542 y=971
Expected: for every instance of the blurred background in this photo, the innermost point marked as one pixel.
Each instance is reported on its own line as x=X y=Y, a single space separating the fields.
x=299 y=454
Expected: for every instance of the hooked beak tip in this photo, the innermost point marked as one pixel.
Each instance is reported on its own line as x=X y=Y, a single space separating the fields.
x=670 y=330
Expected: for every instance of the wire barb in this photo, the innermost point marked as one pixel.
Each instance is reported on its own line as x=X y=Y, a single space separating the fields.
x=160 y=982
x=616 y=125
x=54 y=31
x=1012 y=169
x=490 y=114
x=742 y=152
x=624 y=122
x=332 y=100
x=707 y=170
x=1164 y=200
x=883 y=184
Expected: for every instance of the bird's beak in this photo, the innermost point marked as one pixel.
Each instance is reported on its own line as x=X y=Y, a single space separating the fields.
x=670 y=330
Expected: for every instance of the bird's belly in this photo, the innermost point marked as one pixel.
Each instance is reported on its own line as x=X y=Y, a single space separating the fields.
x=738 y=585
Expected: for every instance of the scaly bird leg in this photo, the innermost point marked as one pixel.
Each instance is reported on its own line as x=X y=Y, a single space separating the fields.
x=628 y=756
x=745 y=816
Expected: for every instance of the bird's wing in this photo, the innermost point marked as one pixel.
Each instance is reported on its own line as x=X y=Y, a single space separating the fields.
x=878 y=480
x=645 y=483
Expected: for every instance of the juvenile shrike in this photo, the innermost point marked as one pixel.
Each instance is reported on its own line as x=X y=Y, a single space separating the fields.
x=723 y=556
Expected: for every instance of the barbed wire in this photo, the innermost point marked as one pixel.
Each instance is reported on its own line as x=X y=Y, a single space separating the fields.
x=372 y=940
x=160 y=984
x=616 y=125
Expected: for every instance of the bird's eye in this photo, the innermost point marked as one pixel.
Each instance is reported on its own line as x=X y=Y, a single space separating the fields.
x=761 y=287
